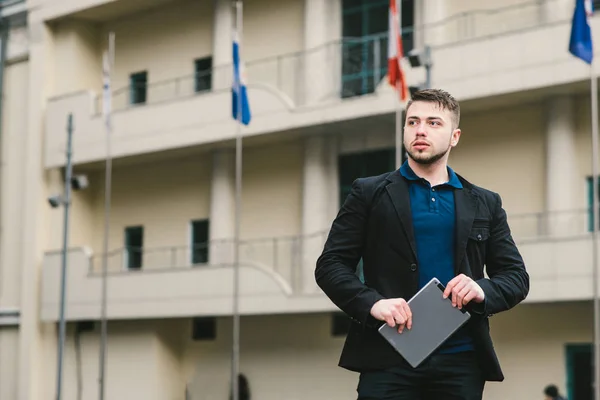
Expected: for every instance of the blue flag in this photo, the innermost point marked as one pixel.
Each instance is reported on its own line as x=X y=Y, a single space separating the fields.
x=580 y=44
x=239 y=90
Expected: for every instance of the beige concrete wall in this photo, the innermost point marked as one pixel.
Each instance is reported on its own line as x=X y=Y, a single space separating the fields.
x=170 y=358
x=497 y=146
x=583 y=129
x=163 y=197
x=163 y=41
x=12 y=178
x=168 y=54
x=77 y=57
x=35 y=340
x=295 y=357
x=9 y=344
x=285 y=22
x=272 y=190
x=531 y=347
x=454 y=20
x=133 y=363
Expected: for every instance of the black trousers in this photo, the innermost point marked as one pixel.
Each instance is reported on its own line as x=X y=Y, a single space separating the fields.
x=441 y=377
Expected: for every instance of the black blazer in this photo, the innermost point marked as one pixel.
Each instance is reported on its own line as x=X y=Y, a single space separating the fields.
x=375 y=224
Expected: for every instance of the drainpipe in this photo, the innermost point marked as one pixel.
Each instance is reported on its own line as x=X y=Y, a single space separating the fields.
x=4 y=27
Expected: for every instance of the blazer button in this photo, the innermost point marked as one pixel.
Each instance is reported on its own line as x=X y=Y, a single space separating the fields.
x=479 y=237
x=413 y=267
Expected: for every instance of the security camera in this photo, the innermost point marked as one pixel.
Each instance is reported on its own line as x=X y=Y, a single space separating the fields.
x=55 y=201
x=79 y=182
x=415 y=58
x=419 y=57
x=414 y=89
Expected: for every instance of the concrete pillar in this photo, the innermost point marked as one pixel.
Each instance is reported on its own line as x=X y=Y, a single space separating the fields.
x=222 y=56
x=222 y=208
x=37 y=343
x=432 y=13
x=316 y=206
x=321 y=57
x=561 y=159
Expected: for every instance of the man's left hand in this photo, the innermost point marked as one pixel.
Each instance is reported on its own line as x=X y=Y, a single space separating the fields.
x=463 y=290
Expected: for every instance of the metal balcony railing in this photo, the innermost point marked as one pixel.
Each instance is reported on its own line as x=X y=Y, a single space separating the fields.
x=345 y=68
x=287 y=255
x=281 y=255
x=551 y=225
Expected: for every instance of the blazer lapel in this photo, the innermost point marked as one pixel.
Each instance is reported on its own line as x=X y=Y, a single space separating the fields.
x=465 y=203
x=400 y=196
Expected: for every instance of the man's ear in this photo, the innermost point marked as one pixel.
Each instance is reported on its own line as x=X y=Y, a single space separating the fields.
x=455 y=137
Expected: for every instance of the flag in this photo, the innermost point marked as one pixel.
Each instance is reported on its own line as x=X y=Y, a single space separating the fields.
x=239 y=90
x=580 y=44
x=395 y=53
x=106 y=91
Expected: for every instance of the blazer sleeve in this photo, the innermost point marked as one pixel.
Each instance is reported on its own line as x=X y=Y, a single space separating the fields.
x=508 y=282
x=335 y=271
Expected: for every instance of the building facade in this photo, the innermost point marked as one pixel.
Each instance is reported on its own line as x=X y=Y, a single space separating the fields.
x=323 y=115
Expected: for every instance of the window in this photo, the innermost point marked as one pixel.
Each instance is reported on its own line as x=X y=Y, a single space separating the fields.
x=204 y=328
x=203 y=74
x=340 y=324
x=134 y=246
x=138 y=86
x=199 y=241
x=359 y=165
x=365 y=25
x=580 y=371
x=85 y=326
x=591 y=204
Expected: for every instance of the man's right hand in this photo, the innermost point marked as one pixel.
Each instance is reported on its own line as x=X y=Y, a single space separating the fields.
x=393 y=312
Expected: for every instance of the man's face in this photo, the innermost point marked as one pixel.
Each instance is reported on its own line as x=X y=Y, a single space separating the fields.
x=429 y=132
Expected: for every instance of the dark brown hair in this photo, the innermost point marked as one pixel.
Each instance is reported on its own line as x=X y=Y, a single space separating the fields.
x=442 y=98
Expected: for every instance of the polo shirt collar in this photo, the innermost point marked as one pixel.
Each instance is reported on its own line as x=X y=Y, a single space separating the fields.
x=407 y=172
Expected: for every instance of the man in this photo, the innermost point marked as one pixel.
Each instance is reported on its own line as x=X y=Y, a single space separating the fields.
x=410 y=225
x=551 y=393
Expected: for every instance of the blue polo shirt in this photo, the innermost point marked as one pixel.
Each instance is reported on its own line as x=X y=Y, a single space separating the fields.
x=434 y=222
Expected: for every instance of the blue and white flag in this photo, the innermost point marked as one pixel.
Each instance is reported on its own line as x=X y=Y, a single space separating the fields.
x=580 y=44
x=106 y=90
x=239 y=90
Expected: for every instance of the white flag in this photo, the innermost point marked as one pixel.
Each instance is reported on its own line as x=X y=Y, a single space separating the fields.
x=106 y=90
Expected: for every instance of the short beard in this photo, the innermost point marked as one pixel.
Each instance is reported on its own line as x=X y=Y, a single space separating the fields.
x=428 y=160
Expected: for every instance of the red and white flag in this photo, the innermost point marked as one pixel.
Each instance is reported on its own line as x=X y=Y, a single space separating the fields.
x=395 y=53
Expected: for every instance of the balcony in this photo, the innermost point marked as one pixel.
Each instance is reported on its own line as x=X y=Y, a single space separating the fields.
x=477 y=54
x=557 y=249
x=164 y=282
x=277 y=277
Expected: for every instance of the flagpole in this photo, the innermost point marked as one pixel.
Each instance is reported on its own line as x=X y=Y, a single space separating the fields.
x=596 y=208
x=107 y=197
x=235 y=367
x=399 y=138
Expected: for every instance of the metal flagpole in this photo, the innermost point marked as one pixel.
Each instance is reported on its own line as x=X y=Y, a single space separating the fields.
x=238 y=193
x=107 y=197
x=63 y=276
x=594 y=101
x=399 y=138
